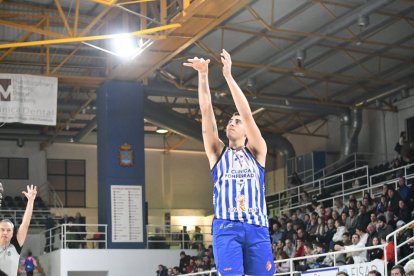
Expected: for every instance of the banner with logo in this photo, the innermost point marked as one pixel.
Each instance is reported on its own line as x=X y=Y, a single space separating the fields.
x=28 y=99
x=362 y=269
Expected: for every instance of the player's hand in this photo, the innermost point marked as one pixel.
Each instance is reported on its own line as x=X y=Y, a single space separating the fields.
x=226 y=60
x=31 y=192
x=198 y=64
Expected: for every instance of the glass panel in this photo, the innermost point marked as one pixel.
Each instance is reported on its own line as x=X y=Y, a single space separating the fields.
x=76 y=167
x=61 y=195
x=76 y=199
x=76 y=183
x=4 y=168
x=57 y=181
x=18 y=168
x=55 y=166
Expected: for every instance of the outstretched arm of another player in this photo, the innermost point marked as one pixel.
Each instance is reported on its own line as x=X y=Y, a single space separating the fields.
x=212 y=143
x=24 y=227
x=256 y=143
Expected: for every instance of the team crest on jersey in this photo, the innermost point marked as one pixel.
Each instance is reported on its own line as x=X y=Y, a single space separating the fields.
x=241 y=203
x=268 y=266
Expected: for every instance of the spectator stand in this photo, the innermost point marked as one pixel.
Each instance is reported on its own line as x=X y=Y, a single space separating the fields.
x=65 y=236
x=338 y=184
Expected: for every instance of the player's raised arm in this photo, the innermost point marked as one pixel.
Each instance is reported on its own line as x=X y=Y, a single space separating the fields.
x=256 y=143
x=212 y=143
x=24 y=227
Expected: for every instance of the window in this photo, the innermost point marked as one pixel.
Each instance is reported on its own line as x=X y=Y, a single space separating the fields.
x=67 y=177
x=14 y=168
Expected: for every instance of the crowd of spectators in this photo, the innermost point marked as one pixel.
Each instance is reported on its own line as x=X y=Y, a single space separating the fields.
x=317 y=229
x=203 y=261
x=353 y=224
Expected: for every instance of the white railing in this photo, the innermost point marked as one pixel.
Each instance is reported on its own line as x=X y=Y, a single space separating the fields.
x=398 y=246
x=341 y=183
x=392 y=175
x=67 y=236
x=283 y=199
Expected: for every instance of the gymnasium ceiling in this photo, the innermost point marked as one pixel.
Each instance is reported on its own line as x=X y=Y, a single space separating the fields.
x=297 y=61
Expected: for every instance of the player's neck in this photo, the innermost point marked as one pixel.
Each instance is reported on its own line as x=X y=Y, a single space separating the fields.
x=236 y=145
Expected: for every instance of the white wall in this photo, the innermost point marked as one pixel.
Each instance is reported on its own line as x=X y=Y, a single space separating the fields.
x=117 y=262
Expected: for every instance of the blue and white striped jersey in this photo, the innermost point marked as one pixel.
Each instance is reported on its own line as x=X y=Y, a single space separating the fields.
x=239 y=191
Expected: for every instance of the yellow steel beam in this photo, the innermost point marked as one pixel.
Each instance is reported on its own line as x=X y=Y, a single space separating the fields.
x=163 y=11
x=95 y=20
x=63 y=17
x=135 y=2
x=105 y=2
x=30 y=29
x=23 y=38
x=87 y=38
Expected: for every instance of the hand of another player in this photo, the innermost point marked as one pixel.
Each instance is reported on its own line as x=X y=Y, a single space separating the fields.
x=31 y=192
x=226 y=60
x=198 y=64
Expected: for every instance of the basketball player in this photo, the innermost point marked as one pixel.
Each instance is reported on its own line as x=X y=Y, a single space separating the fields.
x=11 y=243
x=241 y=239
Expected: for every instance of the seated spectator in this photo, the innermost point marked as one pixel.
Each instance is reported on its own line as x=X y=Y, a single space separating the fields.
x=340 y=230
x=283 y=266
x=383 y=228
x=374 y=273
x=190 y=268
x=176 y=271
x=307 y=222
x=374 y=219
x=321 y=228
x=288 y=234
x=363 y=217
x=289 y=248
x=376 y=253
x=351 y=221
x=372 y=233
x=389 y=251
x=394 y=198
x=409 y=268
x=339 y=206
x=404 y=213
x=346 y=239
x=402 y=236
x=162 y=270
x=300 y=250
x=330 y=232
x=403 y=189
x=302 y=235
x=382 y=205
x=357 y=256
x=184 y=261
x=277 y=232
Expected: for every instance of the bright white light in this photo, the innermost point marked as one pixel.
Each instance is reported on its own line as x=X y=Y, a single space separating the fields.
x=161 y=131
x=125 y=46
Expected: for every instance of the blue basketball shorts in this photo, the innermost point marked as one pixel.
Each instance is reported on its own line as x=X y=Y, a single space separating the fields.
x=242 y=249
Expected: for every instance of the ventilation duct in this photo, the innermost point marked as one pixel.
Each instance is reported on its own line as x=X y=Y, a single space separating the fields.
x=351 y=123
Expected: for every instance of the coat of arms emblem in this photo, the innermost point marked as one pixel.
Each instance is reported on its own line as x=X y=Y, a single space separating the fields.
x=126 y=155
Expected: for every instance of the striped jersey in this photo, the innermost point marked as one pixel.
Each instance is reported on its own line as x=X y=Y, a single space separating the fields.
x=239 y=191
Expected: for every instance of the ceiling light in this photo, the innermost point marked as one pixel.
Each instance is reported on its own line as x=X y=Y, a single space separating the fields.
x=161 y=130
x=125 y=46
x=363 y=21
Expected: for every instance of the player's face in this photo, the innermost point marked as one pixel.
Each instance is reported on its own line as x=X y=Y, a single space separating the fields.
x=235 y=127
x=6 y=232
